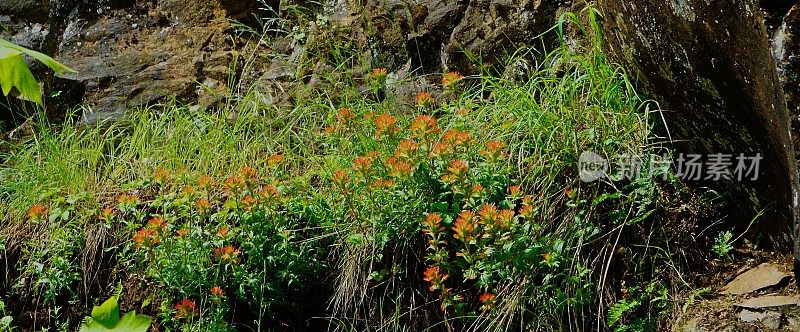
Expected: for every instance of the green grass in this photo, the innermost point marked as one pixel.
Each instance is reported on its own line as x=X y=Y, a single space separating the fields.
x=566 y=102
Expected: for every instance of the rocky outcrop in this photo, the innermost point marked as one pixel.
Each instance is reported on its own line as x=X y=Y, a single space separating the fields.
x=132 y=53
x=433 y=36
x=709 y=65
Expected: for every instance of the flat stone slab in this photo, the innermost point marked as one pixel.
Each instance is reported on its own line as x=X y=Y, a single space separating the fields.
x=770 y=301
x=769 y=319
x=763 y=276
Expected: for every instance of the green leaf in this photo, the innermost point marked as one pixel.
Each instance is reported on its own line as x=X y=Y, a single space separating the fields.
x=106 y=318
x=132 y=322
x=14 y=72
x=107 y=314
x=54 y=65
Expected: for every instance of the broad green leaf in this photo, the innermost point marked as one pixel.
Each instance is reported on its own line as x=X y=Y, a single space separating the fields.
x=56 y=66
x=14 y=72
x=132 y=322
x=107 y=314
x=105 y=318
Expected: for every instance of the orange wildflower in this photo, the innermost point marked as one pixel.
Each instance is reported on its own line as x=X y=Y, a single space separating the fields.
x=269 y=192
x=205 y=181
x=505 y=218
x=107 y=213
x=216 y=291
x=424 y=125
x=464 y=230
x=385 y=124
x=202 y=205
x=37 y=211
x=398 y=168
x=223 y=231
x=182 y=232
x=455 y=171
x=488 y=300
x=248 y=173
x=340 y=178
x=432 y=223
x=161 y=175
x=515 y=191
x=186 y=309
x=456 y=137
x=488 y=213
x=450 y=79
x=227 y=254
x=127 y=199
x=274 y=160
x=146 y=237
x=548 y=257
x=249 y=201
x=363 y=164
x=344 y=115
x=434 y=276
x=424 y=99
x=233 y=183
x=378 y=72
x=493 y=149
x=406 y=149
x=526 y=211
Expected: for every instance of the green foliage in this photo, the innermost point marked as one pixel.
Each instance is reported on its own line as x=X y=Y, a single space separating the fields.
x=14 y=71
x=723 y=244
x=105 y=317
x=627 y=314
x=5 y=319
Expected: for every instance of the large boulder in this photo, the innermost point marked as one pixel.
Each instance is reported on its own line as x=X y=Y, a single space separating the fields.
x=434 y=36
x=709 y=65
x=132 y=53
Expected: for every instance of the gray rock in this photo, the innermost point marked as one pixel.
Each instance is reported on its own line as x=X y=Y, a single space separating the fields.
x=709 y=64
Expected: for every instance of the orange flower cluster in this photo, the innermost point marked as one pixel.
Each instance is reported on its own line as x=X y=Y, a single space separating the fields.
x=432 y=224
x=406 y=150
x=233 y=184
x=205 y=182
x=385 y=124
x=128 y=200
x=186 y=309
x=456 y=172
x=379 y=73
x=464 y=227
x=37 y=211
x=424 y=99
x=488 y=300
x=274 y=160
x=217 y=292
x=436 y=278
x=340 y=178
x=161 y=175
x=227 y=254
x=151 y=234
x=398 y=168
x=493 y=150
x=202 y=205
x=424 y=126
x=107 y=213
x=451 y=79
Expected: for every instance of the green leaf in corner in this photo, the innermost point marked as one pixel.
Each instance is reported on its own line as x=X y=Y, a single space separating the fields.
x=14 y=72
x=107 y=314
x=132 y=322
x=105 y=318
